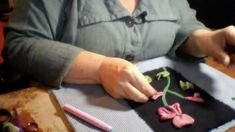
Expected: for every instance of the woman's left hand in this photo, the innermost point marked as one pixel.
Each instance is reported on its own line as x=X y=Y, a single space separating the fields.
x=219 y=44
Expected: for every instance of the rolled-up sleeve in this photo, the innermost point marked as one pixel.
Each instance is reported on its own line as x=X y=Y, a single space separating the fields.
x=32 y=45
x=188 y=23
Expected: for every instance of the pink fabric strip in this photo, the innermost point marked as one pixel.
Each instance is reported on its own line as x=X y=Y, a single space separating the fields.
x=195 y=98
x=157 y=95
x=88 y=118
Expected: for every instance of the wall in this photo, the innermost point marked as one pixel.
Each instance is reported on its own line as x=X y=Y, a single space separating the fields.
x=215 y=13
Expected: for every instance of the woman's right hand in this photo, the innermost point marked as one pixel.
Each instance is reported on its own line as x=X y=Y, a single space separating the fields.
x=121 y=79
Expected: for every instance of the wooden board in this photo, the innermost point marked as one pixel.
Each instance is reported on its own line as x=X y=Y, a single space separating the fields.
x=42 y=106
x=226 y=70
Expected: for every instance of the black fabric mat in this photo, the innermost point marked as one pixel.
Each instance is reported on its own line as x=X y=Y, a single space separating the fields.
x=208 y=115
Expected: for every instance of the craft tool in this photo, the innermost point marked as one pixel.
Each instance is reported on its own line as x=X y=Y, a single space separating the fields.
x=87 y=117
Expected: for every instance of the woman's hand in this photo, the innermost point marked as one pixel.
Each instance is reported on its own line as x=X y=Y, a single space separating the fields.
x=121 y=79
x=219 y=44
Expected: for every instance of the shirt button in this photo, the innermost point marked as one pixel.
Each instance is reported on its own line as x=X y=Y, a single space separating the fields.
x=129 y=21
x=130 y=57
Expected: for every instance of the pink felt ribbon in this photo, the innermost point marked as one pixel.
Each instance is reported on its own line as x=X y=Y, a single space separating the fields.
x=174 y=112
x=195 y=98
x=157 y=95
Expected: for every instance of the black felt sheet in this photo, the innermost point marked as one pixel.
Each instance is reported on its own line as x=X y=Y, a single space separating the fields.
x=208 y=115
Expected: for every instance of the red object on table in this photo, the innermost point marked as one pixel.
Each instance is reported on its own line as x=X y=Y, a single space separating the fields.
x=1 y=40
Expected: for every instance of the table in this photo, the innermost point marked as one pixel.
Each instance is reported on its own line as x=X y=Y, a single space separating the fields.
x=44 y=108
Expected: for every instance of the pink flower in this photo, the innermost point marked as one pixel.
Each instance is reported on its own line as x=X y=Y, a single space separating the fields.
x=174 y=112
x=157 y=95
x=196 y=98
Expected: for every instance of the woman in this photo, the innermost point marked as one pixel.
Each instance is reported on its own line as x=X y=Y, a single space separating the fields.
x=95 y=41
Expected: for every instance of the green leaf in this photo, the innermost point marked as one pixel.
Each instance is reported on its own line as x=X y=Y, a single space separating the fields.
x=148 y=78
x=162 y=74
x=185 y=85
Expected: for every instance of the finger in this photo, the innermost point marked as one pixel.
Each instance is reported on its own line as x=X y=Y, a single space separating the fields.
x=232 y=61
x=230 y=35
x=220 y=56
x=142 y=85
x=130 y=92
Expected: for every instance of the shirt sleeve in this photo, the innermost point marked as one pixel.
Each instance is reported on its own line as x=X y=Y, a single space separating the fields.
x=32 y=47
x=188 y=23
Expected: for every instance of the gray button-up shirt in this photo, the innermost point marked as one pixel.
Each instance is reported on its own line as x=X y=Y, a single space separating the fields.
x=44 y=36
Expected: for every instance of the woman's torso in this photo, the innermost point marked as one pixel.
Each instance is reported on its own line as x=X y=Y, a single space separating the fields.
x=106 y=27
